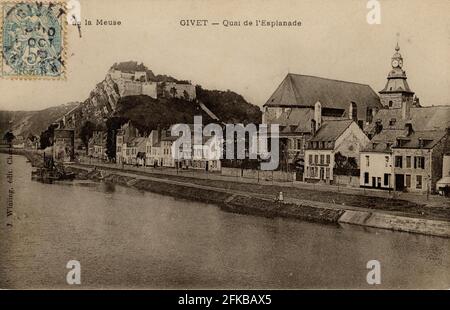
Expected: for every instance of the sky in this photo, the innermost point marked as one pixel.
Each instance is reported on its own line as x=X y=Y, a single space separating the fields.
x=335 y=41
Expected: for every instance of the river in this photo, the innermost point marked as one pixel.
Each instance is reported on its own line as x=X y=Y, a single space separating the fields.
x=124 y=238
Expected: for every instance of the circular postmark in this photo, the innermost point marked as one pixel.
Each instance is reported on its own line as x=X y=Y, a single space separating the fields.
x=33 y=37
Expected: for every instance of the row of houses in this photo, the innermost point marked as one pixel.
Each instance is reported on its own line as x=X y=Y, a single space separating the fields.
x=158 y=150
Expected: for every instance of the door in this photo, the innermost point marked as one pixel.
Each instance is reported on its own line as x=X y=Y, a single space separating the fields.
x=374 y=182
x=399 y=182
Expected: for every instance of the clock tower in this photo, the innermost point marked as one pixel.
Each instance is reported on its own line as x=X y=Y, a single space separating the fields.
x=396 y=93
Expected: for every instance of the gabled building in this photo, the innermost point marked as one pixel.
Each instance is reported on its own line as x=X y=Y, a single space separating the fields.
x=124 y=137
x=152 y=148
x=336 y=144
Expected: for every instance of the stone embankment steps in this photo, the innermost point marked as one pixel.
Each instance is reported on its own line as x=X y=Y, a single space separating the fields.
x=263 y=204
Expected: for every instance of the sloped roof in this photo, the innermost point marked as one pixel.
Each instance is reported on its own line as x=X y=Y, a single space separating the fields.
x=295 y=120
x=388 y=135
x=331 y=130
x=304 y=90
x=422 y=118
x=433 y=136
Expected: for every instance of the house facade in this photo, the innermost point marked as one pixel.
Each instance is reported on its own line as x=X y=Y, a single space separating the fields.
x=376 y=161
x=376 y=169
x=124 y=143
x=418 y=159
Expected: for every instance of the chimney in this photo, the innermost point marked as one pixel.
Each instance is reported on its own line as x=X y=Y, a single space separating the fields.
x=378 y=126
x=408 y=129
x=406 y=109
x=318 y=115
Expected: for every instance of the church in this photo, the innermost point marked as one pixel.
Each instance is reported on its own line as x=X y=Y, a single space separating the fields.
x=302 y=104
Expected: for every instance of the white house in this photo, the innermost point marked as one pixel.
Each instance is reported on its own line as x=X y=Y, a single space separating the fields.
x=376 y=161
x=337 y=142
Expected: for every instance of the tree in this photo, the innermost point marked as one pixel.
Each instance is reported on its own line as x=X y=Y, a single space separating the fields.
x=9 y=137
x=47 y=136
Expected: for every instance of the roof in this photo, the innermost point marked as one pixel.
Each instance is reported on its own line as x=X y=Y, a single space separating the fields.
x=169 y=138
x=382 y=142
x=304 y=90
x=431 y=138
x=331 y=130
x=422 y=118
x=133 y=142
x=388 y=136
x=378 y=147
x=295 y=120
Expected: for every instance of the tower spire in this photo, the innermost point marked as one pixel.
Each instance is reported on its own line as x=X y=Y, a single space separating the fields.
x=397 y=47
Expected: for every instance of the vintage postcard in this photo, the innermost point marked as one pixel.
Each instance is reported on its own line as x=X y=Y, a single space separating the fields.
x=258 y=144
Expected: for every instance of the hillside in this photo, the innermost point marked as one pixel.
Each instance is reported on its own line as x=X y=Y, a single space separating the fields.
x=229 y=106
x=147 y=113
x=25 y=122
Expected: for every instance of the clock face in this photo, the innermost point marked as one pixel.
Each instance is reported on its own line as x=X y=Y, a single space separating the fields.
x=395 y=63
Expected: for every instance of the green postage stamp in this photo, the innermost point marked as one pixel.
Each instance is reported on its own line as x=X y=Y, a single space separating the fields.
x=33 y=39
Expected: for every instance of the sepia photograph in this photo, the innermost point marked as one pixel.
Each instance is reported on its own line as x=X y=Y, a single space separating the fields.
x=225 y=145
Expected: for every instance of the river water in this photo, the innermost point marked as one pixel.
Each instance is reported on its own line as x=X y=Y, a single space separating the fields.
x=124 y=238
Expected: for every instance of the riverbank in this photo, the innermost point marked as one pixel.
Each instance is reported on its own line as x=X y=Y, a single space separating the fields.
x=241 y=200
x=33 y=156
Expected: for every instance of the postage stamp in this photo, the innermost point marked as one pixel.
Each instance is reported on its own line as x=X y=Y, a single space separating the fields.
x=33 y=39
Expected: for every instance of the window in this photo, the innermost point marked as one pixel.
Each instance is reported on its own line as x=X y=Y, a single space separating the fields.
x=322 y=159
x=316 y=159
x=386 y=179
x=418 y=181
x=366 y=178
x=392 y=122
x=386 y=158
x=390 y=102
x=408 y=161
x=327 y=173
x=310 y=159
x=408 y=180
x=367 y=160
x=419 y=162
x=398 y=161
x=328 y=159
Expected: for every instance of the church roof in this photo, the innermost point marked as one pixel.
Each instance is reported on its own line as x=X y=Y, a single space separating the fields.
x=304 y=90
